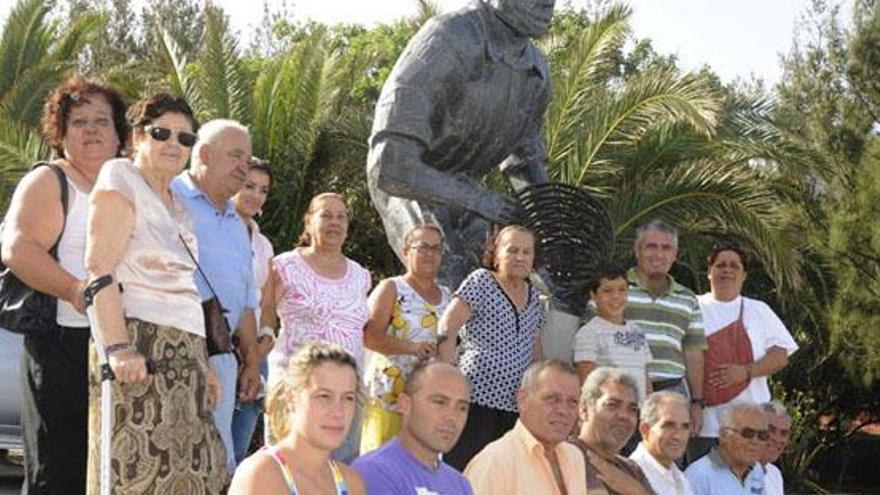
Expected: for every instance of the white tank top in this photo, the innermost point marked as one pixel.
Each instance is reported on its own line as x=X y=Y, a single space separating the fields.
x=72 y=252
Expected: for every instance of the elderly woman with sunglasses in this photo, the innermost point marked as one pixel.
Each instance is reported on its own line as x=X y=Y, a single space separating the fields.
x=145 y=306
x=747 y=343
x=402 y=326
x=84 y=123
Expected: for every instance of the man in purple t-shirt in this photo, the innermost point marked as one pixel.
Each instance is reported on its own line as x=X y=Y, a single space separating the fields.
x=433 y=407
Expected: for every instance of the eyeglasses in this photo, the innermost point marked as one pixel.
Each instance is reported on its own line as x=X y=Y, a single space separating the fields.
x=186 y=139
x=749 y=433
x=428 y=248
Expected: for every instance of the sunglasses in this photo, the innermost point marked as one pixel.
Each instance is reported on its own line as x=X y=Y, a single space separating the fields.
x=750 y=433
x=186 y=139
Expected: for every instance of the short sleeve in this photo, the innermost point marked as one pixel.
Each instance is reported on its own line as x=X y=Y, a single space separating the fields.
x=475 y=287
x=695 y=335
x=774 y=331
x=118 y=175
x=585 y=344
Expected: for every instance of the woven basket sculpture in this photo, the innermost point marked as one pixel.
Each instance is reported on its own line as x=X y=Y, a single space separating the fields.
x=575 y=237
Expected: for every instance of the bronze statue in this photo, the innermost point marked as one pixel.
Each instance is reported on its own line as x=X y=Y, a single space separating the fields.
x=467 y=95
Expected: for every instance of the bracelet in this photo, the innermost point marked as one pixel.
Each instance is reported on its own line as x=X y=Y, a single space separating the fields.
x=698 y=400
x=266 y=331
x=110 y=349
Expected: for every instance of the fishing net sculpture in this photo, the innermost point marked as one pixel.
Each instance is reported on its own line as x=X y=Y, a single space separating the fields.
x=575 y=236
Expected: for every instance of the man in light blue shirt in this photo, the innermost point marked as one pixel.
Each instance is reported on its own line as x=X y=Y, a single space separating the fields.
x=219 y=166
x=732 y=468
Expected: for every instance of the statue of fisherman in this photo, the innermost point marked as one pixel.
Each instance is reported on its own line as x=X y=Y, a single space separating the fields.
x=467 y=95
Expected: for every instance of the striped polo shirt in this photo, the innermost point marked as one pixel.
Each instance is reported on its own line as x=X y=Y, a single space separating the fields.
x=671 y=322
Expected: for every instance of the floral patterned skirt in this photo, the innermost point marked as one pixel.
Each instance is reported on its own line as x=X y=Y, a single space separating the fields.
x=163 y=436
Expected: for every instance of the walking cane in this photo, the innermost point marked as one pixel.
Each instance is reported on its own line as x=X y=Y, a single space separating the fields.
x=107 y=376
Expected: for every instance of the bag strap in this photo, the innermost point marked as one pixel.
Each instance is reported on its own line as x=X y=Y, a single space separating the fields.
x=198 y=266
x=65 y=197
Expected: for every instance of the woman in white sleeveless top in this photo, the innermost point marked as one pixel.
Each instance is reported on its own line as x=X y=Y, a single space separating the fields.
x=84 y=123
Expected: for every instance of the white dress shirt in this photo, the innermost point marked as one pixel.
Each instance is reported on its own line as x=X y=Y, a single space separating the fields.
x=664 y=480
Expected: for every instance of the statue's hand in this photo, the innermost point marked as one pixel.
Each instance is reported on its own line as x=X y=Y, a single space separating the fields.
x=497 y=207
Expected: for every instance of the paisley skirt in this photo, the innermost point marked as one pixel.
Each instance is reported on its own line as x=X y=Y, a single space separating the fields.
x=164 y=440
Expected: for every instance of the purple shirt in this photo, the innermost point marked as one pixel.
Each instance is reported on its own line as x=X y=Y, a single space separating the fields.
x=392 y=470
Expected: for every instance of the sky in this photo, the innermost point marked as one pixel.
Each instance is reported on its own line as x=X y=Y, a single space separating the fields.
x=738 y=39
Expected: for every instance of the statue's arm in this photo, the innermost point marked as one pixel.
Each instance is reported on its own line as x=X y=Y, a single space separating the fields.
x=397 y=169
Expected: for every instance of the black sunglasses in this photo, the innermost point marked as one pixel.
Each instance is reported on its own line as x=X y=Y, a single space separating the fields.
x=749 y=433
x=187 y=139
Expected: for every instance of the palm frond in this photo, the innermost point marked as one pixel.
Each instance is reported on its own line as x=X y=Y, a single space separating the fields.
x=292 y=103
x=82 y=30
x=20 y=146
x=581 y=69
x=26 y=40
x=23 y=101
x=652 y=100
x=223 y=83
x=173 y=64
x=708 y=197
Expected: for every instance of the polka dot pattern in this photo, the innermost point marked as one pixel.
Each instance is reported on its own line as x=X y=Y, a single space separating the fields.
x=498 y=341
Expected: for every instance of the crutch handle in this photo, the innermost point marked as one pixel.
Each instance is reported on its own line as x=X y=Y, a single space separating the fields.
x=107 y=371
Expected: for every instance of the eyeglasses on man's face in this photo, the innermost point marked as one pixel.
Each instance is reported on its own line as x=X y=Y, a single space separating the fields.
x=750 y=433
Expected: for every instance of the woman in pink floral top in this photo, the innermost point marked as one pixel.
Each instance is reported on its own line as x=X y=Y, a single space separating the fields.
x=320 y=295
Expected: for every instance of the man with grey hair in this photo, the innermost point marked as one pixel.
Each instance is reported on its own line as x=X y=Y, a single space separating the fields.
x=466 y=96
x=609 y=409
x=669 y=314
x=779 y=426
x=732 y=468
x=665 y=427
x=219 y=167
x=534 y=457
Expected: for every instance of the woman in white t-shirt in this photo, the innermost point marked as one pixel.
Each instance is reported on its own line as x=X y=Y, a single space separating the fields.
x=734 y=322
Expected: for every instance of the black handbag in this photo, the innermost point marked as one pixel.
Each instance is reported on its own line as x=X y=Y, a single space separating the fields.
x=22 y=309
x=217 y=332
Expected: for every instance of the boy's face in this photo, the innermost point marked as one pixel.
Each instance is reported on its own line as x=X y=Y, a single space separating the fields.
x=610 y=298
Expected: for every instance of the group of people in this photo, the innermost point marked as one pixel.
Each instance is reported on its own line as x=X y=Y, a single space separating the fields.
x=136 y=390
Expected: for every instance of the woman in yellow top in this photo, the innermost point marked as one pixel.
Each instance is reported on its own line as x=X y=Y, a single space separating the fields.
x=402 y=326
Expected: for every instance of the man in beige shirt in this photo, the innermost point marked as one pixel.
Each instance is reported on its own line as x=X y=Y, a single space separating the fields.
x=533 y=458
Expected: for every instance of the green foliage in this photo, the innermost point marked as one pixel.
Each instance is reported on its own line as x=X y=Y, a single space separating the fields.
x=36 y=56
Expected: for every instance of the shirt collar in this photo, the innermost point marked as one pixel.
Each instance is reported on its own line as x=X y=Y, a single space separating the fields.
x=719 y=462
x=642 y=453
x=495 y=30
x=674 y=287
x=189 y=189
x=532 y=444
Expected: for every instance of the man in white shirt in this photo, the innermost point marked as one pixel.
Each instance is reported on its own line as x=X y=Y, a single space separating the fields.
x=779 y=426
x=665 y=428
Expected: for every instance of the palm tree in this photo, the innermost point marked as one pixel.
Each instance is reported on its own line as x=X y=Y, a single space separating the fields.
x=661 y=144
x=35 y=58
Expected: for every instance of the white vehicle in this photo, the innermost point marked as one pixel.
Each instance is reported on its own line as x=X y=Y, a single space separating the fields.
x=10 y=391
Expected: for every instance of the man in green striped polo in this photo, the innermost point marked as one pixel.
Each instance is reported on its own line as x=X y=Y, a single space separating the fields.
x=669 y=315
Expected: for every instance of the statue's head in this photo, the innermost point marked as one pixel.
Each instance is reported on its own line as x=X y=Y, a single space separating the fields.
x=529 y=18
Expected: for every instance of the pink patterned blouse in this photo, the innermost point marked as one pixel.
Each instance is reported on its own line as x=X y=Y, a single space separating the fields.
x=314 y=308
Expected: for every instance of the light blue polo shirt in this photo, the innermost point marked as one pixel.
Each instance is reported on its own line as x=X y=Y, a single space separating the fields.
x=224 y=250
x=710 y=475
